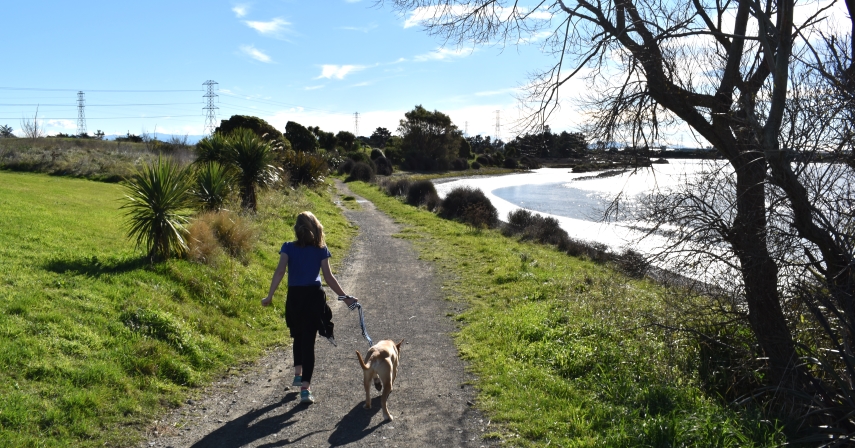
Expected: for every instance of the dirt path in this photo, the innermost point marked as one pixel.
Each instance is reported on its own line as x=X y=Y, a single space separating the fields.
x=432 y=399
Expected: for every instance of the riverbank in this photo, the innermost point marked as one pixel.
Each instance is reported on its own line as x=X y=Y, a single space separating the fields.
x=568 y=352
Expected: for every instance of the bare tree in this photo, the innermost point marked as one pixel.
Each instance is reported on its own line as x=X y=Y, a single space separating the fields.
x=31 y=126
x=722 y=68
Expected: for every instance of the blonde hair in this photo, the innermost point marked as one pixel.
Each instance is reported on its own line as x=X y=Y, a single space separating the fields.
x=309 y=230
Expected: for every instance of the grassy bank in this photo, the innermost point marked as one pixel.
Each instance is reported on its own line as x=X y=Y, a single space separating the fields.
x=94 y=341
x=102 y=160
x=565 y=350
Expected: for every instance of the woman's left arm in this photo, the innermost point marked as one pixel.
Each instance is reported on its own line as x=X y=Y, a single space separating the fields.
x=332 y=282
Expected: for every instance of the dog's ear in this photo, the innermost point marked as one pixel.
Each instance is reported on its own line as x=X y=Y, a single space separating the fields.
x=398 y=345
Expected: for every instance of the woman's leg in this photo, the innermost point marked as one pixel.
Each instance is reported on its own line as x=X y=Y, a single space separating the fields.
x=296 y=350
x=307 y=353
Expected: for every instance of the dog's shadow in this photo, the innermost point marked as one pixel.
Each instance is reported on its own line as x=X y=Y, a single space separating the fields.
x=242 y=431
x=354 y=426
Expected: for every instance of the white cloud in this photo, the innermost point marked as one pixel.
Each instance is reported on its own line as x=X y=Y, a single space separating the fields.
x=274 y=27
x=363 y=29
x=444 y=53
x=64 y=124
x=255 y=53
x=313 y=87
x=331 y=71
x=240 y=10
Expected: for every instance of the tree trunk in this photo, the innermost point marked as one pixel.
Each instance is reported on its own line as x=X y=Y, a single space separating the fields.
x=760 y=272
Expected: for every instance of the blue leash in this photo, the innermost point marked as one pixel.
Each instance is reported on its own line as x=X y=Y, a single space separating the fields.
x=356 y=305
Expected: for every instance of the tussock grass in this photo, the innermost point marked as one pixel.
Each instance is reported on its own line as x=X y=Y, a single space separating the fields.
x=95 y=342
x=565 y=349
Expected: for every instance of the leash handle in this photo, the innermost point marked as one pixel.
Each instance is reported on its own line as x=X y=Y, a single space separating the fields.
x=356 y=305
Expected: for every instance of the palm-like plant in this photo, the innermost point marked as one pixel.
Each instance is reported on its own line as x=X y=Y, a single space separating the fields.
x=251 y=156
x=158 y=200
x=212 y=149
x=213 y=185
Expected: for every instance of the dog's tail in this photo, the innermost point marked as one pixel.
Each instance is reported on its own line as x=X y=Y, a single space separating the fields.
x=361 y=361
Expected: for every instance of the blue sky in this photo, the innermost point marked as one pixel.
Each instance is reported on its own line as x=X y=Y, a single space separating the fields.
x=141 y=66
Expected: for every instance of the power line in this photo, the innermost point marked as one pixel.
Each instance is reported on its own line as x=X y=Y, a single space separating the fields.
x=356 y=123
x=210 y=108
x=81 y=116
x=91 y=90
x=105 y=118
x=100 y=105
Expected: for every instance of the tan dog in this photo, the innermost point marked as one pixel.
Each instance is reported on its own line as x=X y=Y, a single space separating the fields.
x=382 y=368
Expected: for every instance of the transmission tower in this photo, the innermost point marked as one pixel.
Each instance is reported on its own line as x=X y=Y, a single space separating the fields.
x=210 y=108
x=465 y=128
x=81 y=115
x=498 y=125
x=356 y=124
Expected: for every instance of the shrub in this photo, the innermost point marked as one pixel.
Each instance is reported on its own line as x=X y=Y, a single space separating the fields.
x=479 y=216
x=632 y=263
x=510 y=163
x=476 y=166
x=361 y=171
x=234 y=233
x=420 y=191
x=398 y=187
x=357 y=156
x=529 y=163
x=460 y=164
x=376 y=153
x=157 y=202
x=484 y=160
x=432 y=202
x=384 y=166
x=202 y=244
x=518 y=220
x=461 y=199
x=305 y=168
x=346 y=166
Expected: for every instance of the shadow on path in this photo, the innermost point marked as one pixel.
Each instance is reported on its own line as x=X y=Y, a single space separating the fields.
x=354 y=426
x=246 y=429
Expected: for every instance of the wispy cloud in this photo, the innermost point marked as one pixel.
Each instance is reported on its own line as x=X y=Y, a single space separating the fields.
x=273 y=27
x=443 y=53
x=255 y=53
x=352 y=1
x=331 y=71
x=497 y=92
x=240 y=10
x=363 y=29
x=313 y=87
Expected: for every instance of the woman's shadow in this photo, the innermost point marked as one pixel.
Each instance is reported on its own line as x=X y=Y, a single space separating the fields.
x=242 y=431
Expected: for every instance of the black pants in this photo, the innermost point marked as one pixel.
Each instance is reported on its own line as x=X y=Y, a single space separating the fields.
x=304 y=306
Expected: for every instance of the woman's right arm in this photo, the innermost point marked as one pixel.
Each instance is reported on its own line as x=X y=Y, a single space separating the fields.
x=278 y=274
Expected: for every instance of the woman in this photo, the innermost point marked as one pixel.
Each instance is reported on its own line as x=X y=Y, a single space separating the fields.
x=306 y=300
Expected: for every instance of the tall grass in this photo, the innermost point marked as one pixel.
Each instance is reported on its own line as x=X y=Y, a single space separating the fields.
x=96 y=343
x=566 y=351
x=102 y=160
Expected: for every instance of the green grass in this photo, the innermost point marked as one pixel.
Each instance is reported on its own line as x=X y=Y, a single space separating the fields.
x=95 y=342
x=564 y=350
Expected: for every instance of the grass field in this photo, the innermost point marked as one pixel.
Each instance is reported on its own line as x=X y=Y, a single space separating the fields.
x=94 y=341
x=564 y=349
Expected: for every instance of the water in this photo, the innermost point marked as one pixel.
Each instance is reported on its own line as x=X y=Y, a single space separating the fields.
x=577 y=200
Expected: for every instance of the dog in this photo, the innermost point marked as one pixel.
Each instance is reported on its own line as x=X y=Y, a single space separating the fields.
x=381 y=368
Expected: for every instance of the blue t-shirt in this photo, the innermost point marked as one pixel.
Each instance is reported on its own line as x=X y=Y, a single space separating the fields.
x=304 y=263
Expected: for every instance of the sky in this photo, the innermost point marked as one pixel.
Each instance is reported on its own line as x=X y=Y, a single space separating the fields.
x=141 y=67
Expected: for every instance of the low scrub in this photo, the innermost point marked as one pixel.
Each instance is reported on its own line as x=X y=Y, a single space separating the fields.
x=469 y=205
x=398 y=187
x=305 y=168
x=222 y=231
x=422 y=192
x=361 y=171
x=384 y=166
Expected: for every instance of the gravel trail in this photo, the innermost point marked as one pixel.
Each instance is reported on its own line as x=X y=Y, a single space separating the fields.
x=255 y=406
